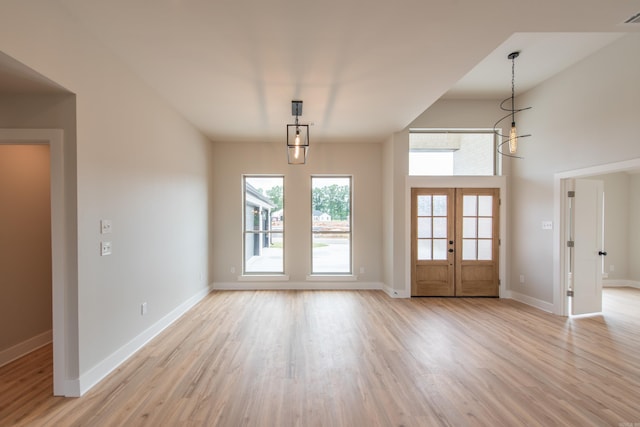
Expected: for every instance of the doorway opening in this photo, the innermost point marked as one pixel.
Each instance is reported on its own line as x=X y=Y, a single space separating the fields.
x=59 y=248
x=563 y=183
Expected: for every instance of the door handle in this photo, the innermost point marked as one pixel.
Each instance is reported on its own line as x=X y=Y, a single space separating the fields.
x=602 y=253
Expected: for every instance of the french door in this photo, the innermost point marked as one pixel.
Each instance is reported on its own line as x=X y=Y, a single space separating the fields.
x=455 y=242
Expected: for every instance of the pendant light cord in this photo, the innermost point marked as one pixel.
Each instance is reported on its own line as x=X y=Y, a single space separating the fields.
x=513 y=89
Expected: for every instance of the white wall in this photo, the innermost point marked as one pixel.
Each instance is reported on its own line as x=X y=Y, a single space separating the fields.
x=585 y=116
x=140 y=165
x=361 y=160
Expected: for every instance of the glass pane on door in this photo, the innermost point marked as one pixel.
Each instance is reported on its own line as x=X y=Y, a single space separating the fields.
x=477 y=227
x=424 y=228
x=424 y=205
x=431 y=226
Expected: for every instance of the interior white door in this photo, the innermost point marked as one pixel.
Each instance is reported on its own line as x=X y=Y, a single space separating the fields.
x=587 y=277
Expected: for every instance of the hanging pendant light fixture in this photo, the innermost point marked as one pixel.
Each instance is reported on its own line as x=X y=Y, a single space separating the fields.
x=512 y=139
x=297 y=137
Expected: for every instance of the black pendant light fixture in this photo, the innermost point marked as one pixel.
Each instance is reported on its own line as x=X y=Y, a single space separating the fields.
x=511 y=140
x=297 y=137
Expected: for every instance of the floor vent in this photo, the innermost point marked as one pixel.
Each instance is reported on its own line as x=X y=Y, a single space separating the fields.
x=635 y=19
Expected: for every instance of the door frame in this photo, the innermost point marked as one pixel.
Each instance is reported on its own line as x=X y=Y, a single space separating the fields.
x=561 y=184
x=460 y=182
x=59 y=245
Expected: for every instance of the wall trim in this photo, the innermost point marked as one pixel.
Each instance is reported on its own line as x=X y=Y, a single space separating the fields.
x=620 y=284
x=302 y=286
x=526 y=299
x=25 y=347
x=96 y=374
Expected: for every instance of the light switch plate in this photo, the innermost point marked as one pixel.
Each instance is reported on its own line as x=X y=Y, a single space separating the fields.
x=105 y=226
x=105 y=248
x=547 y=225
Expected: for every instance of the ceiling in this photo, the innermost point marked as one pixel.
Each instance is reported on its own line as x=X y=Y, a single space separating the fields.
x=364 y=68
x=16 y=78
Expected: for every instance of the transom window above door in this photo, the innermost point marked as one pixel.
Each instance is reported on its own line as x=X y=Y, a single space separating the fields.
x=452 y=153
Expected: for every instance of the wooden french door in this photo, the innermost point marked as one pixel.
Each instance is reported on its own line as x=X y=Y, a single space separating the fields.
x=455 y=242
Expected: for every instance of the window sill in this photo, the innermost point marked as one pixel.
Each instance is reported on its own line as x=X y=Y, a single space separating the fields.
x=332 y=278
x=264 y=278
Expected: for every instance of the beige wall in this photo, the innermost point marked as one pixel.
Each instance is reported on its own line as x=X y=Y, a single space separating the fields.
x=361 y=160
x=139 y=164
x=444 y=114
x=634 y=228
x=585 y=116
x=25 y=243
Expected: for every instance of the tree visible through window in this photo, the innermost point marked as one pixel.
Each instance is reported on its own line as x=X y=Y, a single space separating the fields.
x=263 y=225
x=331 y=225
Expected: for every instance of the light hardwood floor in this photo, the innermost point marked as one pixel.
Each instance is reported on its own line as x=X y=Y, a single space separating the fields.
x=357 y=358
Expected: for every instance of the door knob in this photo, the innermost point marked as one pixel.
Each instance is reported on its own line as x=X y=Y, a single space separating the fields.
x=451 y=242
x=602 y=253
x=450 y=250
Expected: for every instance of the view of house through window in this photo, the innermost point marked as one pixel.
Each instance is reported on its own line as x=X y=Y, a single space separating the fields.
x=263 y=224
x=331 y=225
x=452 y=152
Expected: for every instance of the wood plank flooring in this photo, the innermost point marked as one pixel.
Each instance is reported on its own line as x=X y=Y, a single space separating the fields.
x=357 y=358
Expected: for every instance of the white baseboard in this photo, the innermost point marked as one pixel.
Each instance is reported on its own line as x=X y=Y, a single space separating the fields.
x=25 y=347
x=526 y=299
x=620 y=284
x=303 y=286
x=104 y=368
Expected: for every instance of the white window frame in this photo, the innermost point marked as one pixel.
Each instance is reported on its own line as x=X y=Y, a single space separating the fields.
x=269 y=232
x=348 y=233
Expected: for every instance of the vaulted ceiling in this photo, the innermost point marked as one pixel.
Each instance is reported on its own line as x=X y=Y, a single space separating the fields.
x=364 y=69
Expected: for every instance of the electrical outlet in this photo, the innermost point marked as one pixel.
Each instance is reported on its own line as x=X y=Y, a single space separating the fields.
x=143 y=308
x=233 y=270
x=361 y=270
x=612 y=268
x=522 y=278
x=105 y=248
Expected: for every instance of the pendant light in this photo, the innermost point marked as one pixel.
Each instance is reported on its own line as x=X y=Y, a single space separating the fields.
x=512 y=139
x=297 y=137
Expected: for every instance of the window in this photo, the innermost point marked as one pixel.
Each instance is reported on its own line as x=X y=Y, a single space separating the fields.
x=331 y=225
x=451 y=153
x=263 y=225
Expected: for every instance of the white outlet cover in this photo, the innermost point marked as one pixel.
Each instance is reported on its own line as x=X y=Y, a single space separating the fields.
x=547 y=225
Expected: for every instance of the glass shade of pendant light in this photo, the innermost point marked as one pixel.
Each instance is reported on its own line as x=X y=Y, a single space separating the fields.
x=297 y=137
x=512 y=139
